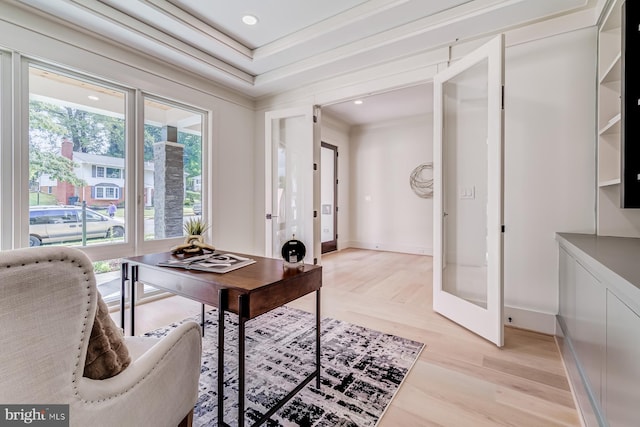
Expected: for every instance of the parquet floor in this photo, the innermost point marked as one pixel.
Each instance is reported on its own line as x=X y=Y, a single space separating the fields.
x=459 y=379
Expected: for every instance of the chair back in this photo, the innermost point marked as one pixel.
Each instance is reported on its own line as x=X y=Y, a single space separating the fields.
x=48 y=300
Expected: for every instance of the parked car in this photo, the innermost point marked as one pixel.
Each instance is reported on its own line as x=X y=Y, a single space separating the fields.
x=55 y=224
x=197 y=208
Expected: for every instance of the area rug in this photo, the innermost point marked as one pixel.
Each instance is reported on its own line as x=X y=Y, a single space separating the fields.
x=361 y=370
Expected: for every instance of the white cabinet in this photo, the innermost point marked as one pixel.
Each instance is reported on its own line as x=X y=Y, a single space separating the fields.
x=567 y=265
x=612 y=220
x=589 y=337
x=622 y=401
x=599 y=317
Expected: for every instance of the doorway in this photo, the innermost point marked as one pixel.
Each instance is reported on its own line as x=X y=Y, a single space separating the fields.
x=329 y=197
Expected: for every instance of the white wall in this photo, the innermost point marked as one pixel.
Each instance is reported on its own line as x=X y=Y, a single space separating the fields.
x=550 y=95
x=385 y=213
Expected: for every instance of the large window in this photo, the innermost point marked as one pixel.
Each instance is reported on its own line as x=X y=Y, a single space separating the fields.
x=81 y=144
x=76 y=127
x=173 y=167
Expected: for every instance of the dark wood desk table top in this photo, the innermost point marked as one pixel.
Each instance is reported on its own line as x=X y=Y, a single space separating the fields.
x=266 y=284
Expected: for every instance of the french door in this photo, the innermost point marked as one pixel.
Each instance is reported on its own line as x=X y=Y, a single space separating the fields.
x=329 y=197
x=468 y=184
x=292 y=180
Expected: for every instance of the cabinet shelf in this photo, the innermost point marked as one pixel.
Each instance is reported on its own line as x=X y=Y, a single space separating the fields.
x=612 y=126
x=614 y=72
x=609 y=183
x=613 y=185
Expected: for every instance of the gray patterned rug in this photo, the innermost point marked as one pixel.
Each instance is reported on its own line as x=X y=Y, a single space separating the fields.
x=361 y=370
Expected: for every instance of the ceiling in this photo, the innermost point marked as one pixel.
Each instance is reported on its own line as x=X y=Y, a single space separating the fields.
x=295 y=42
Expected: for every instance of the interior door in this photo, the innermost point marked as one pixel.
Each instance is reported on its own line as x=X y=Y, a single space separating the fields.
x=468 y=184
x=292 y=183
x=329 y=197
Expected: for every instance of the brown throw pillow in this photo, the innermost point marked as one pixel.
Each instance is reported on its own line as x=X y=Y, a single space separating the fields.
x=107 y=354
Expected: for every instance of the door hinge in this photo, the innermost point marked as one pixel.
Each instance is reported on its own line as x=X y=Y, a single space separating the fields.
x=315 y=119
x=503 y=97
x=503 y=228
x=315 y=261
x=315 y=214
x=315 y=166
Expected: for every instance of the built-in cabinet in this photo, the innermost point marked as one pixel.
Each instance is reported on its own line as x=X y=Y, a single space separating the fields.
x=599 y=320
x=613 y=219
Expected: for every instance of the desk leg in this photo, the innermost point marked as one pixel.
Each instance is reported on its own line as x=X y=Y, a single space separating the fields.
x=242 y=299
x=132 y=297
x=124 y=276
x=222 y=301
x=318 y=339
x=202 y=318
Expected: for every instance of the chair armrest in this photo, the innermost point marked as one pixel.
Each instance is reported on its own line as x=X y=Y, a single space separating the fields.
x=162 y=384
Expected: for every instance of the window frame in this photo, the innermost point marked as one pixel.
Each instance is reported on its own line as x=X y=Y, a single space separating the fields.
x=161 y=245
x=98 y=251
x=14 y=150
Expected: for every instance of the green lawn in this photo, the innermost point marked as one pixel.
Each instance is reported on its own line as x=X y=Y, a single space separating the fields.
x=44 y=199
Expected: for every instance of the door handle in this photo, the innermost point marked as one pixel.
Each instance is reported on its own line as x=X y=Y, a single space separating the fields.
x=269 y=216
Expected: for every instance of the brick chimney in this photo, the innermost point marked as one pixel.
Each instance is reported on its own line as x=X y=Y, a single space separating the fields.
x=66 y=148
x=64 y=190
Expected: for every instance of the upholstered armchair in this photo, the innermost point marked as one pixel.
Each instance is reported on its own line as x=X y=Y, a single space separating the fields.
x=48 y=300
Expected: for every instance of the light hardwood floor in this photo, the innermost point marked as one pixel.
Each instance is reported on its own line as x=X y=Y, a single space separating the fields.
x=459 y=379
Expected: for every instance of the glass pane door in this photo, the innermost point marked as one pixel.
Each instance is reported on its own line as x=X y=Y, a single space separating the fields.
x=289 y=180
x=464 y=185
x=468 y=191
x=329 y=197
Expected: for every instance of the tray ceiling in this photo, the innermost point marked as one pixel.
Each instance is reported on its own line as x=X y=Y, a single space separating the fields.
x=295 y=42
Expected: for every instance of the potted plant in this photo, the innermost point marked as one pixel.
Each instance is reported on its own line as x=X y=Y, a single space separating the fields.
x=194 y=242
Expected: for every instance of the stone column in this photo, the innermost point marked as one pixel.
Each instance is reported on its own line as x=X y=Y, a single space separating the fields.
x=168 y=177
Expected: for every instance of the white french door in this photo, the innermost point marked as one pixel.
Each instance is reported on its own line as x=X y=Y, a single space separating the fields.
x=468 y=184
x=292 y=180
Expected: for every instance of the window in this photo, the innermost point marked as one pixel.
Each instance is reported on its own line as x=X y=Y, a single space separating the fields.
x=77 y=140
x=106 y=193
x=173 y=159
x=102 y=172
x=114 y=173
x=81 y=142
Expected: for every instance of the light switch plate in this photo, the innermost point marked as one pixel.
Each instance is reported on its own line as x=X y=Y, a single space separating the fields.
x=467 y=192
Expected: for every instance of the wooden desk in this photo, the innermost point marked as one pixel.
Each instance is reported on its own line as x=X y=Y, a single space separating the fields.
x=247 y=292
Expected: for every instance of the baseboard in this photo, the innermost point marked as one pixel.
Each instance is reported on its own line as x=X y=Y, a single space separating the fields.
x=405 y=249
x=528 y=319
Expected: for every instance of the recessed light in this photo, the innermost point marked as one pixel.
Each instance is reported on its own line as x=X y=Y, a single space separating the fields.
x=249 y=19
x=93 y=98
x=358 y=102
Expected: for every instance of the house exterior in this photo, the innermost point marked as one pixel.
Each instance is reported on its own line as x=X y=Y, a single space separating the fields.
x=104 y=177
x=194 y=183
